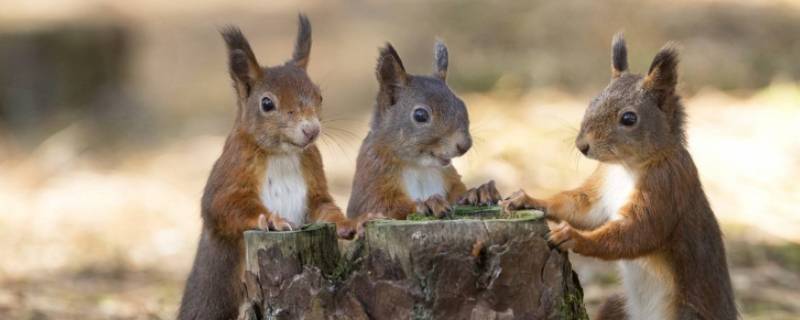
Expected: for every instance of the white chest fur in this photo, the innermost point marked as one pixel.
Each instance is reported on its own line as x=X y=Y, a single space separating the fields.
x=284 y=189
x=649 y=288
x=646 y=280
x=618 y=184
x=423 y=182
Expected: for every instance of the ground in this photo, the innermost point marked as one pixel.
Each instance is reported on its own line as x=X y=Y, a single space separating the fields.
x=117 y=241
x=99 y=210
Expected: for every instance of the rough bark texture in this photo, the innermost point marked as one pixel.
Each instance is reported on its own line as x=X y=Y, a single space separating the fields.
x=462 y=269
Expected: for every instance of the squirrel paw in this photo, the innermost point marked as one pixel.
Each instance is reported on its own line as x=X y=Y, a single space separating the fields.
x=484 y=195
x=346 y=229
x=562 y=236
x=435 y=205
x=273 y=223
x=520 y=200
x=362 y=221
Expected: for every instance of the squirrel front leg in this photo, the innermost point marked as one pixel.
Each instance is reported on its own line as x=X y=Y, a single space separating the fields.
x=483 y=195
x=329 y=212
x=641 y=231
x=457 y=193
x=573 y=206
x=346 y=228
x=456 y=189
x=237 y=211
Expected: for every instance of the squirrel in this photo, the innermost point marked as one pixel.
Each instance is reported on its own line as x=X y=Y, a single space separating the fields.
x=644 y=205
x=418 y=125
x=269 y=176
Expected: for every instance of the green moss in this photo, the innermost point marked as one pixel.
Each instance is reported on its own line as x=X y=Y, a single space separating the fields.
x=571 y=307
x=478 y=213
x=420 y=217
x=312 y=226
x=348 y=262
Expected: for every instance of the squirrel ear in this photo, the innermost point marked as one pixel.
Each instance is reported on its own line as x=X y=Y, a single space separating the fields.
x=663 y=74
x=390 y=71
x=242 y=62
x=440 y=60
x=619 y=56
x=302 y=46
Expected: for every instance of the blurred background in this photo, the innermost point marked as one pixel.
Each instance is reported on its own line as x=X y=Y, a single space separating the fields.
x=112 y=113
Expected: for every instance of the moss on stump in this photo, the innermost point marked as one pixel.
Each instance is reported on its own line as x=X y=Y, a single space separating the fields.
x=477 y=264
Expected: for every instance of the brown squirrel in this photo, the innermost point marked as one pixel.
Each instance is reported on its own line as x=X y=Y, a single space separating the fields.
x=418 y=125
x=269 y=174
x=644 y=205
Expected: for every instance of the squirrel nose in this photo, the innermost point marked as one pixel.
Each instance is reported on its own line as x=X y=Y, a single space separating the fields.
x=463 y=147
x=584 y=148
x=311 y=133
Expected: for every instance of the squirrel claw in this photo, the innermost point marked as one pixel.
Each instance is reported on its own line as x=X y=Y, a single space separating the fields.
x=485 y=195
x=520 y=200
x=436 y=206
x=362 y=222
x=562 y=237
x=346 y=230
x=273 y=223
x=262 y=222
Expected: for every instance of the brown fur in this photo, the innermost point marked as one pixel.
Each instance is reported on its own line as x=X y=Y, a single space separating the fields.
x=396 y=141
x=666 y=223
x=612 y=309
x=231 y=201
x=377 y=186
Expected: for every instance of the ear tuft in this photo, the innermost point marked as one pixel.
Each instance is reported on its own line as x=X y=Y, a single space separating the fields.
x=239 y=65
x=663 y=73
x=391 y=76
x=619 y=55
x=234 y=38
x=242 y=63
x=302 y=46
x=390 y=70
x=440 y=60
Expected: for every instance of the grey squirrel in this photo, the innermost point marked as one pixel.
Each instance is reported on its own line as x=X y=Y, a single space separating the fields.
x=418 y=125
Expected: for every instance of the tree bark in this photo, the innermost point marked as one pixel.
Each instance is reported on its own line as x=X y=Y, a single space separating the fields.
x=444 y=269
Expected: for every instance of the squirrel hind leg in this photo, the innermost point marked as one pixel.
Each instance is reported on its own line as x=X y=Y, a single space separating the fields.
x=613 y=309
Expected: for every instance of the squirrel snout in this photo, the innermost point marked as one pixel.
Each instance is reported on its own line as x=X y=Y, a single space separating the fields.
x=463 y=147
x=311 y=133
x=583 y=147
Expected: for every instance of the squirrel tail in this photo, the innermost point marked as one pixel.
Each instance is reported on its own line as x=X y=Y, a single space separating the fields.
x=212 y=290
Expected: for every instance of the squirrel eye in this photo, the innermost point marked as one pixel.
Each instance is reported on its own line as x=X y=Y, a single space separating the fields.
x=267 y=105
x=421 y=115
x=628 y=119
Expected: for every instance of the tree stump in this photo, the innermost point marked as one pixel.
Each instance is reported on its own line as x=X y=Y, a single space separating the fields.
x=500 y=268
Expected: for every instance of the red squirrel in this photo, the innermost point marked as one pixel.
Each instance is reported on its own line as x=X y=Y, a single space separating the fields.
x=270 y=170
x=644 y=205
x=418 y=125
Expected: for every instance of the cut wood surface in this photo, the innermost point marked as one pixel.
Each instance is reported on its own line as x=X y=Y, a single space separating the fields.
x=465 y=268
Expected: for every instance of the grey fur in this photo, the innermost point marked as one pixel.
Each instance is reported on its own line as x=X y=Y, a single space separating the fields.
x=660 y=113
x=663 y=70
x=392 y=121
x=619 y=55
x=440 y=60
x=302 y=46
